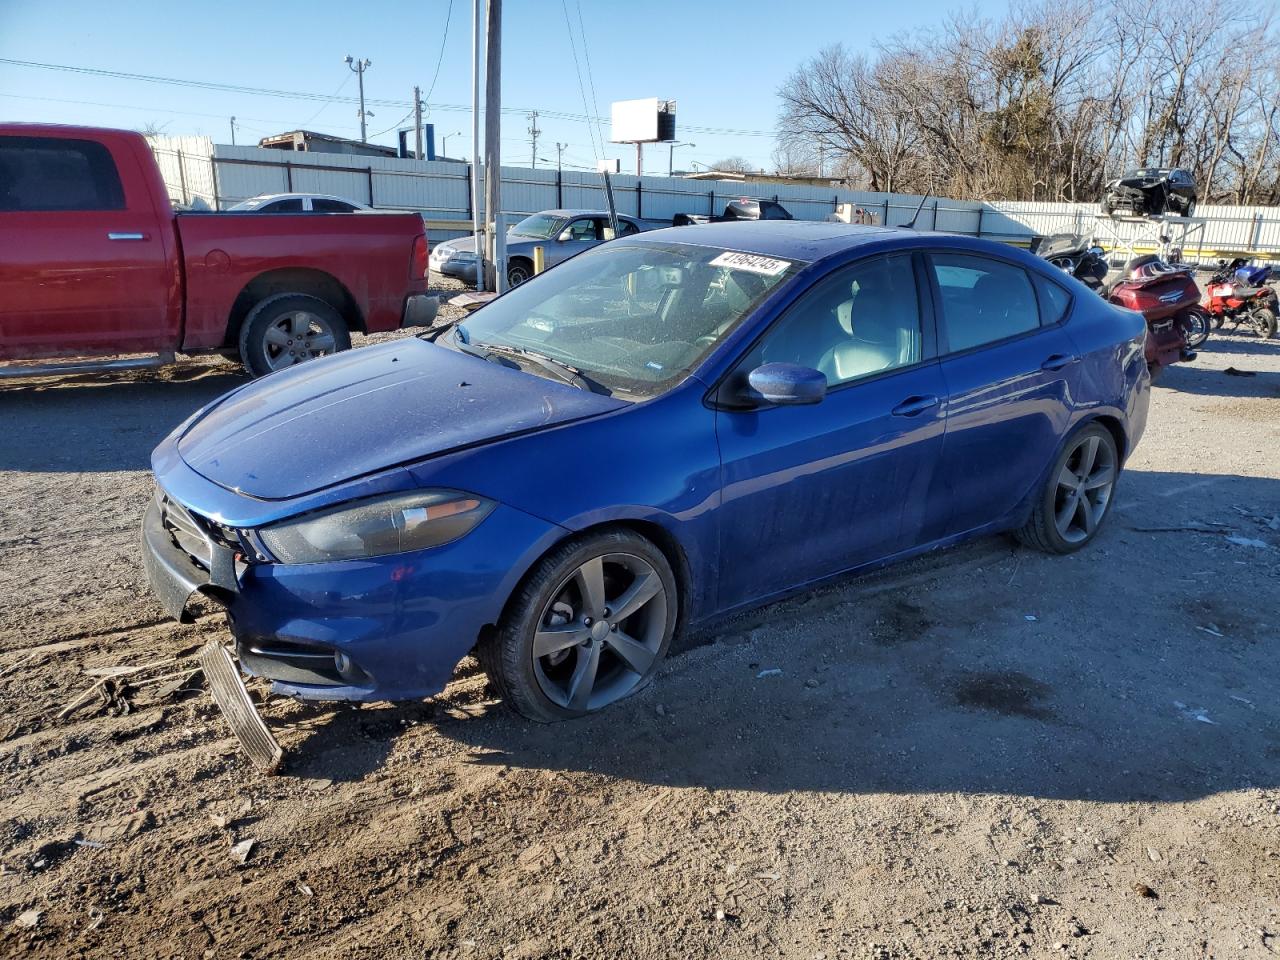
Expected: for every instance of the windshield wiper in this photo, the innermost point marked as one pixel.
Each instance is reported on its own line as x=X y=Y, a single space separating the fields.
x=557 y=368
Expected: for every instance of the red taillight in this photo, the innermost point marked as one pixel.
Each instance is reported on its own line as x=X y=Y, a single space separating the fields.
x=418 y=260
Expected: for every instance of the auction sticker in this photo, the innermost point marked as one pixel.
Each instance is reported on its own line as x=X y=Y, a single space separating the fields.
x=751 y=262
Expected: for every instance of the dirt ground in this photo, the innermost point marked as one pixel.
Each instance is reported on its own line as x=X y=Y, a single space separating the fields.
x=987 y=752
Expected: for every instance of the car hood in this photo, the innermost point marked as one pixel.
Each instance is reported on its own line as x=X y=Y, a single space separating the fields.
x=468 y=244
x=360 y=412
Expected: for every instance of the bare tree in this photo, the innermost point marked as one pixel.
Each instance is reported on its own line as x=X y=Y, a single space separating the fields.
x=733 y=165
x=1047 y=102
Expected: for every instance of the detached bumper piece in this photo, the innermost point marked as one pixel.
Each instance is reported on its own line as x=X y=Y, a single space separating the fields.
x=233 y=700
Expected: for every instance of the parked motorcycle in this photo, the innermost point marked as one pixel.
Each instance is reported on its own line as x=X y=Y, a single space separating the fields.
x=1167 y=296
x=1075 y=255
x=1238 y=294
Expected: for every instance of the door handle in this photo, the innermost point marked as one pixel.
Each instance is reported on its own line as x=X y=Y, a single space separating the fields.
x=1058 y=361
x=114 y=235
x=913 y=406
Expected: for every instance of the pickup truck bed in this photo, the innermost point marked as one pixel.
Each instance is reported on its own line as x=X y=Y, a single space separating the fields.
x=94 y=262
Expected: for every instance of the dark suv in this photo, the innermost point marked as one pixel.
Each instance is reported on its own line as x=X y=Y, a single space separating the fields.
x=1149 y=192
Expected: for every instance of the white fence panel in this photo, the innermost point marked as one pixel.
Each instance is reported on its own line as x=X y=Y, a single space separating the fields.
x=195 y=168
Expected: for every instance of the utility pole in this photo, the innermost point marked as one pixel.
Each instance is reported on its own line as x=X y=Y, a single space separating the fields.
x=534 y=133
x=358 y=67
x=560 y=149
x=477 y=64
x=233 y=131
x=639 y=158
x=496 y=242
x=417 y=123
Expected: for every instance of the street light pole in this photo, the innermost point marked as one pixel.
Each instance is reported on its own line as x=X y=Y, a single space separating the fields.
x=672 y=152
x=444 y=142
x=358 y=67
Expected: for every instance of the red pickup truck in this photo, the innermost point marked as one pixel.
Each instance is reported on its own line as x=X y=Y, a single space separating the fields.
x=95 y=263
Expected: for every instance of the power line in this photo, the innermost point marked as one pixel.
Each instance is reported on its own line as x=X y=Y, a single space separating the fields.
x=326 y=106
x=146 y=109
x=440 y=59
x=586 y=52
x=573 y=48
x=377 y=102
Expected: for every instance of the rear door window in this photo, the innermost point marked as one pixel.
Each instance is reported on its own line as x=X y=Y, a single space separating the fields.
x=1055 y=301
x=324 y=205
x=983 y=300
x=52 y=173
x=284 y=206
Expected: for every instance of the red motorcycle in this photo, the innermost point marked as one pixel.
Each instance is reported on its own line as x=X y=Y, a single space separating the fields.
x=1239 y=293
x=1169 y=299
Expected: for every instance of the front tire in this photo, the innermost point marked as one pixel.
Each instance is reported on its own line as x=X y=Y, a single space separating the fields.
x=1077 y=495
x=588 y=627
x=288 y=329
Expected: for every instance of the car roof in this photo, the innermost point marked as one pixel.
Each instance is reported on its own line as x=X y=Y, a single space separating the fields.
x=582 y=212
x=811 y=241
x=299 y=196
x=792 y=239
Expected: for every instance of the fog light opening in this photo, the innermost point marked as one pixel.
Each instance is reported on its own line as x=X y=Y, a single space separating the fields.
x=348 y=670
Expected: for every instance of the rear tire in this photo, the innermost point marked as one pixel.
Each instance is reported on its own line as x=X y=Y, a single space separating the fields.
x=290 y=328
x=518 y=272
x=1198 y=325
x=1264 y=322
x=601 y=608
x=1077 y=494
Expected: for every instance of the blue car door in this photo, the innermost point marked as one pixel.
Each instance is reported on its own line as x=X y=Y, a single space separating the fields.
x=809 y=491
x=1008 y=380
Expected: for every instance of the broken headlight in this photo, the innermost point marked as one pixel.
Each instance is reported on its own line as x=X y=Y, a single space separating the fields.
x=376 y=527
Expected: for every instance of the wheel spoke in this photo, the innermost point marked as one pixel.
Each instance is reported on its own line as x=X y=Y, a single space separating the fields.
x=1102 y=477
x=645 y=588
x=1067 y=512
x=321 y=343
x=633 y=653
x=299 y=323
x=277 y=337
x=1067 y=478
x=584 y=677
x=550 y=640
x=1087 y=519
x=590 y=579
x=1088 y=453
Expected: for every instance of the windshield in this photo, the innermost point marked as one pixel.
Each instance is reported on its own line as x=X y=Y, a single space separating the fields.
x=634 y=317
x=540 y=226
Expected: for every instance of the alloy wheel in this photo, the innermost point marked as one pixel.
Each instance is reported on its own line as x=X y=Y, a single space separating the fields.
x=296 y=337
x=1084 y=489
x=600 y=634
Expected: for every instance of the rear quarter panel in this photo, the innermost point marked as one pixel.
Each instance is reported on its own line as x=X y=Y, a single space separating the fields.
x=1113 y=379
x=368 y=253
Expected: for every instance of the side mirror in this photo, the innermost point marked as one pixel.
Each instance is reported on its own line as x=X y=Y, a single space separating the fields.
x=788 y=384
x=565 y=236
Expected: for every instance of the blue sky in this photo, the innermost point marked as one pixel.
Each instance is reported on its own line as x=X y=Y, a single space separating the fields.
x=723 y=69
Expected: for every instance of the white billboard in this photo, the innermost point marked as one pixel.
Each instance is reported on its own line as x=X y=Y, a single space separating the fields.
x=641 y=121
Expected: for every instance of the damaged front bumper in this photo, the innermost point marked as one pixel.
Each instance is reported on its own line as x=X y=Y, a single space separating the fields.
x=381 y=628
x=175 y=576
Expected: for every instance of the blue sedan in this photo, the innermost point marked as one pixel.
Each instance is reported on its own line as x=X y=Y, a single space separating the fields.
x=662 y=431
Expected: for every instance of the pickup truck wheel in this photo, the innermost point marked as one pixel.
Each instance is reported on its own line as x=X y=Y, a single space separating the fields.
x=290 y=328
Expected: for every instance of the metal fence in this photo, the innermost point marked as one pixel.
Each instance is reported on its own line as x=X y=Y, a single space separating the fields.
x=197 y=170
